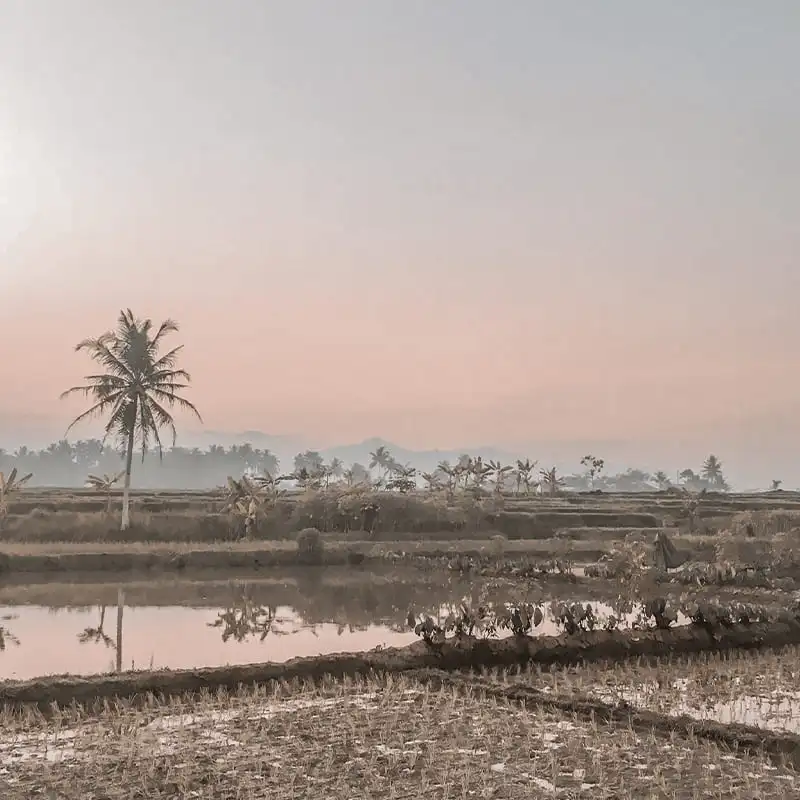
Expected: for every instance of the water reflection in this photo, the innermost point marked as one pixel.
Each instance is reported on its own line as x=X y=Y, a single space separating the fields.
x=6 y=637
x=97 y=634
x=183 y=623
x=248 y=618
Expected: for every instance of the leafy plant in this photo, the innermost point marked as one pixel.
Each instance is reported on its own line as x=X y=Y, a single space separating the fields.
x=520 y=619
x=8 y=487
x=657 y=612
x=573 y=618
x=105 y=484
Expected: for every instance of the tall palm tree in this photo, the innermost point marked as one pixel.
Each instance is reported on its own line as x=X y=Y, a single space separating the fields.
x=134 y=387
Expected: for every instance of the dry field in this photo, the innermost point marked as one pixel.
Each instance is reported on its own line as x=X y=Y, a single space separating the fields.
x=53 y=515
x=383 y=737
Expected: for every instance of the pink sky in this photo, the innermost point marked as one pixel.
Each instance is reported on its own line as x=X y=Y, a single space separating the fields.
x=538 y=235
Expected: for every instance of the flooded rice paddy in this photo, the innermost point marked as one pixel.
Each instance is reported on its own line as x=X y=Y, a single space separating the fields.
x=54 y=628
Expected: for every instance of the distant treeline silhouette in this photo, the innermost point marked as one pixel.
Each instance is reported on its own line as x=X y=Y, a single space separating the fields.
x=67 y=464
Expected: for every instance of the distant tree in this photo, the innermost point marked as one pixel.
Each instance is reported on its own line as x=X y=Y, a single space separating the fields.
x=776 y=485
x=712 y=473
x=432 y=482
x=551 y=481
x=105 y=484
x=380 y=459
x=360 y=473
x=594 y=466
x=309 y=460
x=662 y=479
x=524 y=474
x=499 y=473
x=134 y=387
x=450 y=474
x=336 y=468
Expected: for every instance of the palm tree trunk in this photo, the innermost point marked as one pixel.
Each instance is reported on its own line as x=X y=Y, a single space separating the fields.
x=120 y=608
x=126 y=492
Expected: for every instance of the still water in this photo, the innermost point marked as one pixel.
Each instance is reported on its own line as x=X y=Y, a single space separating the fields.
x=46 y=641
x=58 y=628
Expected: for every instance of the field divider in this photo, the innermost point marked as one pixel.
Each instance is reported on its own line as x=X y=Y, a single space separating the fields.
x=453 y=654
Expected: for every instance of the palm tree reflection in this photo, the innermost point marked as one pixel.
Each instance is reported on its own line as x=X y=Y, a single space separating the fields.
x=97 y=635
x=6 y=637
x=245 y=618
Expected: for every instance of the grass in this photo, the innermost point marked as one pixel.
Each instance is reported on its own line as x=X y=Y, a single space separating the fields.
x=383 y=737
x=757 y=689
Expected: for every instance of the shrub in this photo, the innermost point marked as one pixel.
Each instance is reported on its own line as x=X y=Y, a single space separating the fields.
x=498 y=545
x=310 y=547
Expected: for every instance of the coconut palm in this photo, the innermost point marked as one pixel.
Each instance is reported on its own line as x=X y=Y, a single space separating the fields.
x=712 y=472
x=104 y=483
x=336 y=468
x=8 y=487
x=380 y=459
x=135 y=385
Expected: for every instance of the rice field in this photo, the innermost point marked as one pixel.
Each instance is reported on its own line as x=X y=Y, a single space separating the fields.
x=757 y=689
x=393 y=737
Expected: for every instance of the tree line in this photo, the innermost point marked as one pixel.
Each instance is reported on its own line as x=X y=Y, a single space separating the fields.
x=69 y=465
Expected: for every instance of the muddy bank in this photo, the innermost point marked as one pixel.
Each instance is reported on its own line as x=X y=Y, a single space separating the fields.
x=466 y=653
x=159 y=558
x=780 y=747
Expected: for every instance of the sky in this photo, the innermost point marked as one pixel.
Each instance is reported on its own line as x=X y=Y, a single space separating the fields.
x=438 y=222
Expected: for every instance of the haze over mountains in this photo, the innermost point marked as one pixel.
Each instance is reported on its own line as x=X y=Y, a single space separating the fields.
x=748 y=462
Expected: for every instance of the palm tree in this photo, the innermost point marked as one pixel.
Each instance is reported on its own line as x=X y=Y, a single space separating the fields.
x=132 y=390
x=712 y=472
x=104 y=483
x=776 y=484
x=380 y=459
x=9 y=486
x=336 y=468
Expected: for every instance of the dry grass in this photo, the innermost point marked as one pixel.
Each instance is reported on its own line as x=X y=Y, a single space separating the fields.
x=758 y=689
x=765 y=523
x=389 y=738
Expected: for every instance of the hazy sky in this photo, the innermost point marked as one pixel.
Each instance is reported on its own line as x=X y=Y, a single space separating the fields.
x=438 y=222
